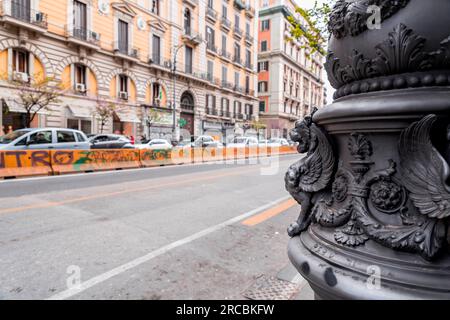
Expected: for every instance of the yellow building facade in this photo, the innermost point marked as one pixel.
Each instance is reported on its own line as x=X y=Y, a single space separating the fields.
x=125 y=54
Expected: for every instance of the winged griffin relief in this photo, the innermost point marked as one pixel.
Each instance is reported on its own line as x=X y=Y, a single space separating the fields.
x=353 y=199
x=311 y=174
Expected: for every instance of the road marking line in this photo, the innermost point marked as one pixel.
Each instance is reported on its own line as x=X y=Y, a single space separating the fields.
x=121 y=192
x=153 y=254
x=269 y=213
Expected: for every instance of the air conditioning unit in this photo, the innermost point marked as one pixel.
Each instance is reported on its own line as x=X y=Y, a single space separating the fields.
x=123 y=95
x=20 y=76
x=95 y=36
x=80 y=87
x=168 y=64
x=39 y=17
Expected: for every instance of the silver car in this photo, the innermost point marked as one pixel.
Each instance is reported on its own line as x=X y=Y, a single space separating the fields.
x=44 y=138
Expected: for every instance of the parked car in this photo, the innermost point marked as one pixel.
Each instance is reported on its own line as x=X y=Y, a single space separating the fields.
x=206 y=141
x=241 y=142
x=155 y=144
x=263 y=142
x=110 y=141
x=277 y=142
x=44 y=138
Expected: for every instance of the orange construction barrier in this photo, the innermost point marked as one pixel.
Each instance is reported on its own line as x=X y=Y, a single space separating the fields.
x=156 y=157
x=20 y=163
x=213 y=154
x=180 y=155
x=69 y=161
x=241 y=153
x=262 y=151
x=197 y=154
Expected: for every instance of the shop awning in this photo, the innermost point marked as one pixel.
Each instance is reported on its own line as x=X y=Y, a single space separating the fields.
x=128 y=115
x=12 y=102
x=80 y=108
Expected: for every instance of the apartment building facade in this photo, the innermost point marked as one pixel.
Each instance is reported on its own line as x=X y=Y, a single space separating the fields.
x=125 y=54
x=290 y=75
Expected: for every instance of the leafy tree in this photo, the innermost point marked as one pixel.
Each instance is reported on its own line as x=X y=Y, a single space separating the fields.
x=104 y=112
x=315 y=30
x=36 y=94
x=152 y=116
x=257 y=125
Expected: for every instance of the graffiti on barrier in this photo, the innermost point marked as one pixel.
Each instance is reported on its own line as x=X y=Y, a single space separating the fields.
x=18 y=159
x=157 y=155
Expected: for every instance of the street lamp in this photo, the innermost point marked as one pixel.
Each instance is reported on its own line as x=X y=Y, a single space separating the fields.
x=174 y=107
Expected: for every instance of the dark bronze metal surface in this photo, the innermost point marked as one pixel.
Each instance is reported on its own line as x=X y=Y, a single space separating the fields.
x=374 y=185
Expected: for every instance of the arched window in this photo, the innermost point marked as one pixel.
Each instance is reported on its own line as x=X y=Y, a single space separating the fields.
x=187 y=101
x=187 y=21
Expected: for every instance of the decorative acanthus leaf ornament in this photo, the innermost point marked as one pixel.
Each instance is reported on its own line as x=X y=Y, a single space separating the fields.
x=310 y=174
x=350 y=17
x=402 y=52
x=425 y=171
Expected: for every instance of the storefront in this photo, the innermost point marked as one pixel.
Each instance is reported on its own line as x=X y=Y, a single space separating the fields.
x=214 y=129
x=13 y=113
x=79 y=114
x=125 y=121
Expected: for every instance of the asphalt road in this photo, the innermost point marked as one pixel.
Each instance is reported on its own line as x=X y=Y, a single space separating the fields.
x=184 y=232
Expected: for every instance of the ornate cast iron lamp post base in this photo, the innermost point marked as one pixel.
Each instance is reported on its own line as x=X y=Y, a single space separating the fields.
x=374 y=185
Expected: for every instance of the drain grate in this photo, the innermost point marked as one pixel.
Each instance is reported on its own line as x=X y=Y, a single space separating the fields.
x=271 y=288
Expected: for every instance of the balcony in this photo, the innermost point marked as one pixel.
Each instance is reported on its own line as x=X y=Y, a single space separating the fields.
x=123 y=51
x=211 y=48
x=225 y=55
x=83 y=37
x=239 y=116
x=227 y=85
x=226 y=114
x=191 y=37
x=249 y=39
x=157 y=60
x=238 y=89
x=192 y=3
x=237 y=60
x=225 y=24
x=211 y=14
x=239 y=4
x=249 y=66
x=249 y=11
x=212 y=111
x=15 y=13
x=237 y=32
x=250 y=92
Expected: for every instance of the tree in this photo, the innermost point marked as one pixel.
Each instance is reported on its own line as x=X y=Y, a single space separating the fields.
x=315 y=32
x=257 y=125
x=151 y=116
x=104 y=111
x=35 y=95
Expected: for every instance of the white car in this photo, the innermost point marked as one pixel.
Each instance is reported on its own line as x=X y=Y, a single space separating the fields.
x=160 y=144
x=241 y=142
x=277 y=142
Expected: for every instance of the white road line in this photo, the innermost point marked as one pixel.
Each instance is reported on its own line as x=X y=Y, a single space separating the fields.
x=84 y=174
x=153 y=254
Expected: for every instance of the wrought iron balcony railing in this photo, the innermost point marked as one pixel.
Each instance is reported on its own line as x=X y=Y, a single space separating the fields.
x=83 y=34
x=211 y=13
x=248 y=38
x=225 y=54
x=225 y=23
x=18 y=11
x=237 y=31
x=124 y=49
